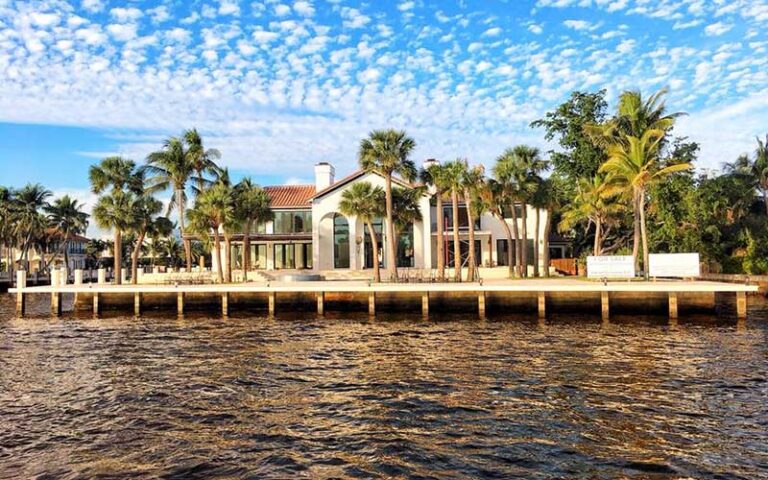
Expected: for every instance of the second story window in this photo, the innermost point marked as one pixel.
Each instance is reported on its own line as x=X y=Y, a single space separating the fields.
x=293 y=222
x=463 y=219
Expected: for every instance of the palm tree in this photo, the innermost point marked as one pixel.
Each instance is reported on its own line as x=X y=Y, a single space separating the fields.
x=123 y=180
x=472 y=183
x=594 y=204
x=28 y=221
x=172 y=251
x=6 y=238
x=755 y=170
x=454 y=174
x=146 y=222
x=203 y=160
x=66 y=217
x=116 y=212
x=633 y=140
x=497 y=201
x=213 y=208
x=507 y=174
x=548 y=198
x=434 y=175
x=363 y=200
x=173 y=167
x=252 y=206
x=387 y=153
x=405 y=202
x=94 y=250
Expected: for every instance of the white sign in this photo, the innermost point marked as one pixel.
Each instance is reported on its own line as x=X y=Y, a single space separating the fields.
x=614 y=266
x=673 y=265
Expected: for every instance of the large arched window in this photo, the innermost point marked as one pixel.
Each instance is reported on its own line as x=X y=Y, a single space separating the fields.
x=340 y=242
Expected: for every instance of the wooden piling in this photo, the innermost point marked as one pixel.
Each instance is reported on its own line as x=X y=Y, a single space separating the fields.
x=56 y=303
x=741 y=305
x=481 y=304
x=95 y=303
x=425 y=304
x=371 y=303
x=271 y=306
x=605 y=306
x=320 y=303
x=137 y=304
x=542 y=304
x=21 y=299
x=225 y=304
x=673 y=305
x=180 y=303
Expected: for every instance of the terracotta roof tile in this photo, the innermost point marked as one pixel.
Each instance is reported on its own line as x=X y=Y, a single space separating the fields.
x=290 y=196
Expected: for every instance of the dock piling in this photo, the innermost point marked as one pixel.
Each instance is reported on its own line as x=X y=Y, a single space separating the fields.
x=95 y=303
x=320 y=303
x=56 y=303
x=741 y=305
x=180 y=303
x=481 y=304
x=225 y=304
x=425 y=304
x=137 y=304
x=371 y=303
x=605 y=306
x=271 y=305
x=542 y=304
x=673 y=305
x=21 y=300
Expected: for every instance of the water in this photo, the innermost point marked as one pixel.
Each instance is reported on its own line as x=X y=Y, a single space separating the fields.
x=349 y=397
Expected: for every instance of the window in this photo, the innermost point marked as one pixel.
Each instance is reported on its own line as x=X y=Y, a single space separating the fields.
x=463 y=221
x=293 y=255
x=259 y=256
x=340 y=242
x=405 y=256
x=293 y=222
x=368 y=248
x=518 y=211
x=501 y=252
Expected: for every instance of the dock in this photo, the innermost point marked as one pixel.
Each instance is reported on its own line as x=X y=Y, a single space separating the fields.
x=502 y=296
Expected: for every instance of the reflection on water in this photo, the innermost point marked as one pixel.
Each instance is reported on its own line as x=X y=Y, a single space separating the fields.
x=395 y=397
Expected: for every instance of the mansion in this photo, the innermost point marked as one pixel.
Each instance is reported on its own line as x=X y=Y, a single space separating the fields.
x=309 y=233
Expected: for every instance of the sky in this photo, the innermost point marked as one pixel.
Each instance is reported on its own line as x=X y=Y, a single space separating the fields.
x=278 y=86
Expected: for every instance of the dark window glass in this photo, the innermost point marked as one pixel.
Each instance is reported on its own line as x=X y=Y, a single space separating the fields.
x=340 y=242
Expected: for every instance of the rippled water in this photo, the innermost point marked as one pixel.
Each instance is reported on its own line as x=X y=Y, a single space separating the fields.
x=395 y=397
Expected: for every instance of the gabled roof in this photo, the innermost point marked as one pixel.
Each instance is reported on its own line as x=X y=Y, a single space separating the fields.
x=290 y=196
x=57 y=234
x=354 y=176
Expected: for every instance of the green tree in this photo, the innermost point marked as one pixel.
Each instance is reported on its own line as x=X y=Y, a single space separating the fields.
x=387 y=152
x=213 y=208
x=29 y=223
x=252 y=206
x=363 y=200
x=594 y=204
x=67 y=218
x=580 y=156
x=203 y=160
x=407 y=211
x=454 y=177
x=434 y=175
x=147 y=221
x=497 y=201
x=472 y=184
x=755 y=169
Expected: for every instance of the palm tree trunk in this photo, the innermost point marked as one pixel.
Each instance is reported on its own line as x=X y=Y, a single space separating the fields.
x=246 y=250
x=524 y=234
x=182 y=229
x=598 y=248
x=510 y=243
x=547 y=231
x=228 y=257
x=765 y=200
x=118 y=260
x=518 y=249
x=536 y=238
x=375 y=246
x=456 y=245
x=135 y=258
x=217 y=250
x=636 y=239
x=440 y=233
x=644 y=234
x=471 y=252
x=66 y=262
x=391 y=265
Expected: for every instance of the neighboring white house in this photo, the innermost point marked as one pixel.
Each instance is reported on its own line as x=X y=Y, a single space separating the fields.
x=51 y=251
x=309 y=232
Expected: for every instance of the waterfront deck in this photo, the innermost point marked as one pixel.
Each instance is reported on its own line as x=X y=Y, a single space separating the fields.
x=539 y=294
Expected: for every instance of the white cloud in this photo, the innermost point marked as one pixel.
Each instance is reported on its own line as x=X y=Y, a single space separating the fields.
x=352 y=18
x=92 y=6
x=229 y=7
x=536 y=29
x=122 y=31
x=281 y=10
x=126 y=14
x=717 y=29
x=159 y=14
x=492 y=32
x=578 y=25
x=304 y=8
x=405 y=6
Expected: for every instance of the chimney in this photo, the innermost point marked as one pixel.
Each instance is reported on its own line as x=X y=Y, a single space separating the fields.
x=430 y=162
x=323 y=175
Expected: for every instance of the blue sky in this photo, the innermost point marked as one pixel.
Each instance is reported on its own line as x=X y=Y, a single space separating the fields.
x=278 y=86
